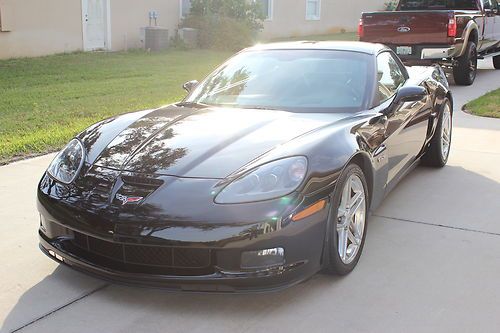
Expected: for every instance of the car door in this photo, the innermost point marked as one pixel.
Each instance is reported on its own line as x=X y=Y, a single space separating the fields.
x=490 y=8
x=407 y=124
x=496 y=28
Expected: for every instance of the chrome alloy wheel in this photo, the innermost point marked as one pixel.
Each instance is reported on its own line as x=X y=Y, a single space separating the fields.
x=351 y=219
x=446 y=132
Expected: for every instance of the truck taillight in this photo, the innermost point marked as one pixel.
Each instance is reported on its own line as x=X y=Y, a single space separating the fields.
x=452 y=27
x=361 y=29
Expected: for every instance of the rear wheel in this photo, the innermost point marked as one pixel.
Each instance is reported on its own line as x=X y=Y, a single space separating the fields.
x=347 y=222
x=465 y=68
x=439 y=151
x=496 y=62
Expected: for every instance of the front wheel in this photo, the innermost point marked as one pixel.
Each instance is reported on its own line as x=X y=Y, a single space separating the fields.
x=347 y=222
x=439 y=150
x=465 y=68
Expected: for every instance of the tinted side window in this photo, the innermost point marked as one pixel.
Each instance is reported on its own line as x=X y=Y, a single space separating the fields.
x=390 y=76
x=437 y=4
x=490 y=4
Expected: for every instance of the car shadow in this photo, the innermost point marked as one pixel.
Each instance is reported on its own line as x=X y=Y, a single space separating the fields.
x=419 y=193
x=453 y=196
x=56 y=290
x=33 y=305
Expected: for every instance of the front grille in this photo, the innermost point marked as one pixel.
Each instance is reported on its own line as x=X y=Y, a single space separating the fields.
x=106 y=249
x=152 y=255
x=145 y=255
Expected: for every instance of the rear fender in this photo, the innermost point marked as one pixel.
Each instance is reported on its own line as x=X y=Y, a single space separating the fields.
x=470 y=34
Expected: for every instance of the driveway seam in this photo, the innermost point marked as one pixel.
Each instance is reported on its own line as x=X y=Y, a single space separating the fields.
x=439 y=225
x=61 y=307
x=476 y=151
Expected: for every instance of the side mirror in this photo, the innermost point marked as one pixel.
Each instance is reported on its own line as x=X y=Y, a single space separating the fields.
x=410 y=94
x=407 y=94
x=190 y=85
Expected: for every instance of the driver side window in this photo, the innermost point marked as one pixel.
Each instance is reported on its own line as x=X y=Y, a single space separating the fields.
x=390 y=77
x=490 y=4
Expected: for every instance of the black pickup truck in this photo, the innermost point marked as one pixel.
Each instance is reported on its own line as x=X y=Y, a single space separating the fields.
x=452 y=33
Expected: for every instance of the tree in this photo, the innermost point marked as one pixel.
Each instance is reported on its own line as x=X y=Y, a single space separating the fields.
x=225 y=24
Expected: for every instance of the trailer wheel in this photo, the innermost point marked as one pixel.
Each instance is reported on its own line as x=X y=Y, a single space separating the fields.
x=465 y=68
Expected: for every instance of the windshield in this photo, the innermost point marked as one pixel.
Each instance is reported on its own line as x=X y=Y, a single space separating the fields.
x=437 y=4
x=293 y=80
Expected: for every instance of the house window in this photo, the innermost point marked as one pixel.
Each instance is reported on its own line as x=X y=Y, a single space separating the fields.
x=267 y=8
x=185 y=8
x=313 y=9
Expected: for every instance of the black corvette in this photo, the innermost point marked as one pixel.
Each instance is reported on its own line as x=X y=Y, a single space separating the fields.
x=264 y=175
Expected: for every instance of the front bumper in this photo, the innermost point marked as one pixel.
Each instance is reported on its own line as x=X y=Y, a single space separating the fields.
x=218 y=282
x=125 y=247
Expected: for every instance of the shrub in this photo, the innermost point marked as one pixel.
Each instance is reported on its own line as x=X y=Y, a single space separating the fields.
x=225 y=24
x=391 y=5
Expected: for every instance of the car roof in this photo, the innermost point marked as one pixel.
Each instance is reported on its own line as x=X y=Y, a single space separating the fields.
x=360 y=47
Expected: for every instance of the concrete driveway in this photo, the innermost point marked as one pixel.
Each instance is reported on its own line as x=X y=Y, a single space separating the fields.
x=431 y=261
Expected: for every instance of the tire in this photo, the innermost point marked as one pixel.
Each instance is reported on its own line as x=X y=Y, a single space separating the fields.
x=439 y=150
x=333 y=262
x=496 y=62
x=465 y=68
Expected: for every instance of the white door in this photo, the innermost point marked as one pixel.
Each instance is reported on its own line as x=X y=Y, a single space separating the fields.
x=94 y=14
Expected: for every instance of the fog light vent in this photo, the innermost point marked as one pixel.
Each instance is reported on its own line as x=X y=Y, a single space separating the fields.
x=263 y=259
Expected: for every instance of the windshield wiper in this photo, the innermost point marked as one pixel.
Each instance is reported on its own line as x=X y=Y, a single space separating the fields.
x=259 y=108
x=192 y=105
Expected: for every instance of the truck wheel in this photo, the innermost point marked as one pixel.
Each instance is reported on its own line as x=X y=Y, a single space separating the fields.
x=496 y=62
x=465 y=68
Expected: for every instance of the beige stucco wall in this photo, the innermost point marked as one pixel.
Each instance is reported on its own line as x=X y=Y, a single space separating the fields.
x=41 y=27
x=128 y=16
x=289 y=17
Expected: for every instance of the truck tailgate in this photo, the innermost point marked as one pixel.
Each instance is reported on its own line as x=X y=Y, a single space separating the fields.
x=406 y=27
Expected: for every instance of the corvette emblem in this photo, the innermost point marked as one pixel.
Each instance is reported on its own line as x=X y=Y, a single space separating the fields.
x=404 y=29
x=126 y=200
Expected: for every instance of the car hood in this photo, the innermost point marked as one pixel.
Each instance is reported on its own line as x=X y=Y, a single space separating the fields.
x=204 y=143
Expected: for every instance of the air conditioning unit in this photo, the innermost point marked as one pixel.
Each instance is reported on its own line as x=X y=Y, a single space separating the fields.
x=189 y=36
x=155 y=38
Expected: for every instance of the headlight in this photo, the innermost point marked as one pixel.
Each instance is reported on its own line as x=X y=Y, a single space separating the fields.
x=269 y=181
x=68 y=162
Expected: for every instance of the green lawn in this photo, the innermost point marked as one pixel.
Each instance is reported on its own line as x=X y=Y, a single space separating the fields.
x=486 y=106
x=45 y=101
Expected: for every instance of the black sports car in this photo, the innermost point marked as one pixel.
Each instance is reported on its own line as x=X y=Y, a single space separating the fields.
x=261 y=177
